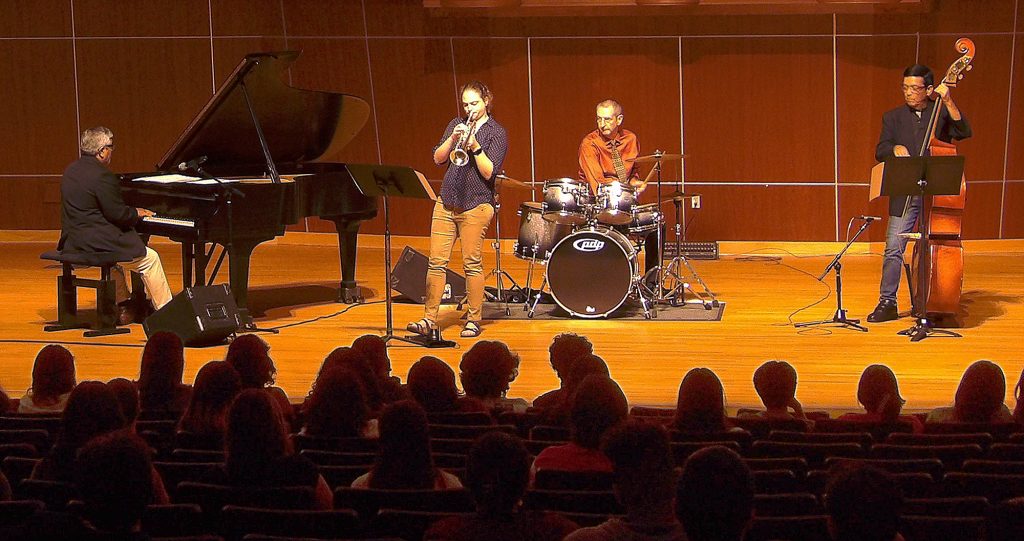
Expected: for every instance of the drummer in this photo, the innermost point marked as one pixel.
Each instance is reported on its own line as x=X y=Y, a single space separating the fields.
x=607 y=155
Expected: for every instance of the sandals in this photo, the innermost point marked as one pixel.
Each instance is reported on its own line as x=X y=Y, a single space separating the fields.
x=471 y=330
x=421 y=327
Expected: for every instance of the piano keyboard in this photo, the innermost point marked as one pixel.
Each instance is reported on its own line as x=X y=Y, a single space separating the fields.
x=170 y=222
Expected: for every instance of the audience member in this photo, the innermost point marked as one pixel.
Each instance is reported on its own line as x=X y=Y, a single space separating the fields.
x=564 y=350
x=700 y=406
x=497 y=474
x=127 y=399
x=53 y=377
x=92 y=410
x=217 y=384
x=160 y=375
x=5 y=488
x=336 y=407
x=864 y=504
x=979 y=398
x=5 y=401
x=644 y=483
x=115 y=481
x=775 y=383
x=404 y=460
x=1018 y=394
x=250 y=356
x=431 y=383
x=879 y=393
x=1005 y=521
x=597 y=406
x=354 y=361
x=259 y=453
x=715 y=496
x=374 y=351
x=486 y=371
x=557 y=413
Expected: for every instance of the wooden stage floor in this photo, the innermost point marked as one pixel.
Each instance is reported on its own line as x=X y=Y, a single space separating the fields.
x=294 y=279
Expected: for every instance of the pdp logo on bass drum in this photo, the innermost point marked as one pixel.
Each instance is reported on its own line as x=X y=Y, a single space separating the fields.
x=588 y=245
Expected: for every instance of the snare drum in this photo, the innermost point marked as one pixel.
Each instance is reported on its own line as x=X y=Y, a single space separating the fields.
x=591 y=271
x=537 y=236
x=615 y=203
x=566 y=201
x=646 y=218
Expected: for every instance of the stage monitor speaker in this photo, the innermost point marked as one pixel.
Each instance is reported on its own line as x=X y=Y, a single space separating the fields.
x=409 y=277
x=200 y=316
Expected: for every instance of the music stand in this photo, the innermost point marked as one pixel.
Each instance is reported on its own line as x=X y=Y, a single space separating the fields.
x=924 y=176
x=393 y=180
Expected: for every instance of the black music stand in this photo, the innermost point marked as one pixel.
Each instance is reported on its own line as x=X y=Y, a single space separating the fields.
x=392 y=180
x=924 y=176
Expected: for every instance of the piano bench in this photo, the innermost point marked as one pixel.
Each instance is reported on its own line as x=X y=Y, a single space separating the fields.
x=104 y=321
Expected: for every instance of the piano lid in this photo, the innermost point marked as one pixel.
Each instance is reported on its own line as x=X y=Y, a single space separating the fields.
x=299 y=125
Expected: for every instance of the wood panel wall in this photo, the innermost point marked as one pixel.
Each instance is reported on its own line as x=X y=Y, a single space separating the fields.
x=779 y=114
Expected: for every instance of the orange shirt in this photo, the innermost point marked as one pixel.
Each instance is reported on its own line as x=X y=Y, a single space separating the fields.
x=596 y=166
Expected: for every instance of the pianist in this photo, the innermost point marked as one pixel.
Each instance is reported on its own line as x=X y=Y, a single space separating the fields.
x=466 y=204
x=94 y=218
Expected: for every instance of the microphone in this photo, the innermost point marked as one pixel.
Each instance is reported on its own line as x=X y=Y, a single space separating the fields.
x=192 y=164
x=869 y=218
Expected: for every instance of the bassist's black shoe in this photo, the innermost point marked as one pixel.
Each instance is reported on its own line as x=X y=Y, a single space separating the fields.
x=885 y=311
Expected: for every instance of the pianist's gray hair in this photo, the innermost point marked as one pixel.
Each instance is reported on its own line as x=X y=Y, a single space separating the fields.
x=94 y=139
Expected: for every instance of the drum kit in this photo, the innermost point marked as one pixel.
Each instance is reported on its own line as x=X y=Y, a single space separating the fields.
x=589 y=246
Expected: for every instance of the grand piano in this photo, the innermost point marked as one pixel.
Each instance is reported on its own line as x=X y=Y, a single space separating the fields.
x=264 y=139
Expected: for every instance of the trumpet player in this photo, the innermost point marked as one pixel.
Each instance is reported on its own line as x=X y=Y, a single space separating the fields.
x=473 y=149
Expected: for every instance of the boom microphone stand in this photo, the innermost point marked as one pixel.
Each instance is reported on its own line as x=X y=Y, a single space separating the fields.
x=840 y=315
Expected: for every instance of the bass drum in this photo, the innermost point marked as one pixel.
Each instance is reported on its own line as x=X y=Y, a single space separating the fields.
x=591 y=271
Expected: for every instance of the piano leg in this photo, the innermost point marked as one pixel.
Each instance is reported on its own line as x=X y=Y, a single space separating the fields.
x=241 y=252
x=348 y=232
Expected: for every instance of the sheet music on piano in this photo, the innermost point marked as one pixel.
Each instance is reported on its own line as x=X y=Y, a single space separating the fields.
x=175 y=178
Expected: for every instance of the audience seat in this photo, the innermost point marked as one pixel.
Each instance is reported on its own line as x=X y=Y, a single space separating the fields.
x=931 y=466
x=999 y=431
x=55 y=495
x=202 y=537
x=366 y=502
x=213 y=498
x=962 y=506
x=534 y=446
x=981 y=438
x=522 y=421
x=13 y=513
x=196 y=455
x=777 y=482
x=261 y=537
x=454 y=446
x=952 y=456
x=797 y=465
x=25 y=421
x=741 y=437
x=342 y=476
x=814 y=453
x=648 y=411
x=1013 y=467
x=343 y=445
x=335 y=458
x=36 y=437
x=879 y=431
x=806 y=528
x=551 y=433
x=589 y=520
x=913 y=485
x=236 y=522
x=924 y=528
x=24 y=450
x=1006 y=451
x=995 y=487
x=16 y=468
x=862 y=439
x=759 y=427
x=682 y=450
x=573 y=480
x=183 y=439
x=174 y=473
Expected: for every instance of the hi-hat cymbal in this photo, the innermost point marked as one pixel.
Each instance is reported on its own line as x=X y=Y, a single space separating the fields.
x=658 y=156
x=502 y=181
x=681 y=195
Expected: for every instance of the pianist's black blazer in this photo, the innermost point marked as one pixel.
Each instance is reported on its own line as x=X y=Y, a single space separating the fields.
x=94 y=216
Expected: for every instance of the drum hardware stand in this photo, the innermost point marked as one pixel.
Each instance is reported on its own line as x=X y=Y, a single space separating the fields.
x=676 y=295
x=498 y=273
x=840 y=314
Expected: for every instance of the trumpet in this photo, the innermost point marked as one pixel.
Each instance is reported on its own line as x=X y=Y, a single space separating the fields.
x=459 y=156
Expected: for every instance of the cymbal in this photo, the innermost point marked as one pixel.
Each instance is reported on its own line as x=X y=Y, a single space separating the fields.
x=502 y=181
x=658 y=156
x=680 y=195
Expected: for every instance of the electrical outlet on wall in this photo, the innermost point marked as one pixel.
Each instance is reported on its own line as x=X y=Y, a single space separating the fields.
x=695 y=202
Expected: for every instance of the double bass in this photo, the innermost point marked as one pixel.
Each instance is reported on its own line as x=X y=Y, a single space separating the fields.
x=938 y=258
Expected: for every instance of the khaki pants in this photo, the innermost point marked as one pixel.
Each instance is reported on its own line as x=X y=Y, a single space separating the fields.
x=153 y=277
x=471 y=227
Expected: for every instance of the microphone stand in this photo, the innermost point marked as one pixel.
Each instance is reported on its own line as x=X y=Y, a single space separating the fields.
x=226 y=193
x=840 y=314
